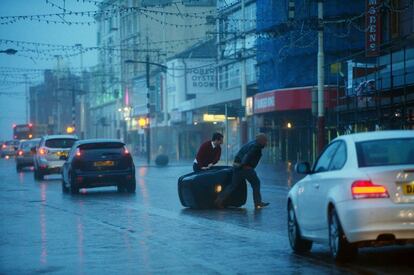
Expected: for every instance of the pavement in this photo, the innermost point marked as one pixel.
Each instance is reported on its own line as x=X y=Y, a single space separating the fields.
x=102 y=231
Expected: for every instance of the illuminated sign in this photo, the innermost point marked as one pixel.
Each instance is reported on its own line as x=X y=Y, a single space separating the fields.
x=373 y=28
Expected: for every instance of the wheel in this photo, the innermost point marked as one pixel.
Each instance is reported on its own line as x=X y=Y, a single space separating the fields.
x=18 y=168
x=131 y=186
x=120 y=188
x=40 y=175
x=65 y=189
x=297 y=243
x=341 y=249
x=74 y=189
x=37 y=175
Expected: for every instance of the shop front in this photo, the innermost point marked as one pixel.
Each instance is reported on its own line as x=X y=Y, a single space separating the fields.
x=285 y=115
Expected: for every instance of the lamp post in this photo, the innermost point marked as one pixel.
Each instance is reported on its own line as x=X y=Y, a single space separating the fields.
x=81 y=96
x=147 y=70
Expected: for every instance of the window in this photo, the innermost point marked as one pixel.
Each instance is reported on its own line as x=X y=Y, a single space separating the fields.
x=322 y=165
x=385 y=152
x=60 y=143
x=339 y=159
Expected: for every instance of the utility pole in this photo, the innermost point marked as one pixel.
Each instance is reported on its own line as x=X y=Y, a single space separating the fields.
x=226 y=113
x=147 y=70
x=81 y=96
x=321 y=80
x=243 y=81
x=58 y=98
x=27 y=98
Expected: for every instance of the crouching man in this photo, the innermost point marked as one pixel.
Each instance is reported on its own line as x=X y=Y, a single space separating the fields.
x=244 y=164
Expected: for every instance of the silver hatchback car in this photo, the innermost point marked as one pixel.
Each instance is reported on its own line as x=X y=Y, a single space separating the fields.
x=51 y=154
x=24 y=155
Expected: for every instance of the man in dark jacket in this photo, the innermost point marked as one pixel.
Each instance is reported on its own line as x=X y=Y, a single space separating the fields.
x=209 y=153
x=245 y=162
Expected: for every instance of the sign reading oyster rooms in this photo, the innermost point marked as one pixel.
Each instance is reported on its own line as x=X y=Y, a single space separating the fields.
x=201 y=77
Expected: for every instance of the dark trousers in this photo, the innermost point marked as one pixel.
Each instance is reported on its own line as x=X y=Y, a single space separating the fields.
x=239 y=175
x=196 y=168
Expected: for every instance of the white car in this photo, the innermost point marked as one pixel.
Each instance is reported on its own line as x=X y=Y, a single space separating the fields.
x=360 y=192
x=51 y=154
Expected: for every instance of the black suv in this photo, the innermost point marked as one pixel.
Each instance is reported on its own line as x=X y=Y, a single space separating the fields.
x=96 y=163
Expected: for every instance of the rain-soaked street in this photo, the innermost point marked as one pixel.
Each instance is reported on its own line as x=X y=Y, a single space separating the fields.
x=103 y=231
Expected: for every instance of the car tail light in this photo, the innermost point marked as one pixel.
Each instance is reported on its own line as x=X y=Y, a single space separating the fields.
x=365 y=189
x=78 y=152
x=4 y=146
x=126 y=152
x=20 y=153
x=42 y=151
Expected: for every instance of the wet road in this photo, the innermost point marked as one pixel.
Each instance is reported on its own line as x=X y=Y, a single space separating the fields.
x=102 y=231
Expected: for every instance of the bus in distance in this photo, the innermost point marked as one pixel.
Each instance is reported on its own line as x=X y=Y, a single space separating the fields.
x=23 y=131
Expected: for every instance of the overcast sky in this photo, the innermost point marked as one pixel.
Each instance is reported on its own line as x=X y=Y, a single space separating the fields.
x=12 y=101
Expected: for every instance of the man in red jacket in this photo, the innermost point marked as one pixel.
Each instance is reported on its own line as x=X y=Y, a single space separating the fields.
x=209 y=153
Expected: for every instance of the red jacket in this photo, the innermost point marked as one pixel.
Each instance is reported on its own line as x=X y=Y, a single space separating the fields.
x=206 y=154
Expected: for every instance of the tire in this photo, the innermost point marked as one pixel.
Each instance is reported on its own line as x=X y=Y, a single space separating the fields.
x=64 y=188
x=18 y=168
x=341 y=249
x=131 y=186
x=74 y=189
x=297 y=243
x=120 y=188
x=37 y=175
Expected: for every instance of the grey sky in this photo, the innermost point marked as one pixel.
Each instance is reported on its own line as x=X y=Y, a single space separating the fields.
x=12 y=104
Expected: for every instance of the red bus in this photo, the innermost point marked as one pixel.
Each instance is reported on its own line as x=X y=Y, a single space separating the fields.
x=23 y=131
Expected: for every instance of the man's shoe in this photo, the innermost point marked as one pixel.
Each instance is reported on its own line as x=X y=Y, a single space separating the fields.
x=261 y=205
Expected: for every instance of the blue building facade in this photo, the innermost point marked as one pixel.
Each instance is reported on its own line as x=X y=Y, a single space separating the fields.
x=287 y=45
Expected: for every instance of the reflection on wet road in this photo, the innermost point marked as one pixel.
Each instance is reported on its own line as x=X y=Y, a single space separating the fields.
x=103 y=231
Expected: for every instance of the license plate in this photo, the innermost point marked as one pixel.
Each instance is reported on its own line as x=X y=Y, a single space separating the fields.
x=408 y=188
x=62 y=154
x=104 y=163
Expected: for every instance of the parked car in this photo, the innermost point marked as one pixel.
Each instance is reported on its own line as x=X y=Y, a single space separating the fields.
x=24 y=156
x=51 y=153
x=9 y=148
x=200 y=190
x=360 y=192
x=96 y=163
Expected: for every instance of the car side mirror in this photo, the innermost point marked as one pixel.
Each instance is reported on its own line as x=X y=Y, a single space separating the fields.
x=33 y=150
x=63 y=158
x=303 y=168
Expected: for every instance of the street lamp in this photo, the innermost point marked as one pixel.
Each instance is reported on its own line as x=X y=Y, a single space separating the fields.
x=147 y=65
x=9 y=51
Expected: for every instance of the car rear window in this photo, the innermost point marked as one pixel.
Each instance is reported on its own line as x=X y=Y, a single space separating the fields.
x=60 y=142
x=94 y=151
x=399 y=151
x=101 y=145
x=28 y=144
x=12 y=142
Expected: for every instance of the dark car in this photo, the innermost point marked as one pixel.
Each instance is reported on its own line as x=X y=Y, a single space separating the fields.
x=200 y=190
x=25 y=154
x=96 y=163
x=8 y=148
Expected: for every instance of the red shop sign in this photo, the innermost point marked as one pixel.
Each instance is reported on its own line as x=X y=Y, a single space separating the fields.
x=265 y=102
x=373 y=28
